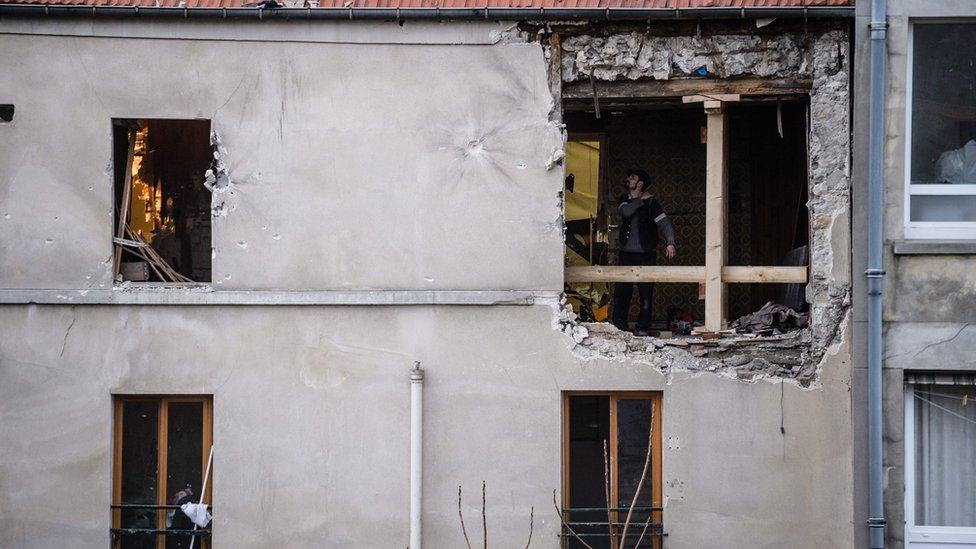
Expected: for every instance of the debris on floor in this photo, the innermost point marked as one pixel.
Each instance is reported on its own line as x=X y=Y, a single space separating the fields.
x=769 y=319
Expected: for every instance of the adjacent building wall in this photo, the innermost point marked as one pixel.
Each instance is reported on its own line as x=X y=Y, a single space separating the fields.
x=928 y=295
x=363 y=157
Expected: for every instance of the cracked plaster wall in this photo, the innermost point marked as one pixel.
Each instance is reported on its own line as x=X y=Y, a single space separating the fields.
x=824 y=59
x=311 y=402
x=311 y=417
x=334 y=159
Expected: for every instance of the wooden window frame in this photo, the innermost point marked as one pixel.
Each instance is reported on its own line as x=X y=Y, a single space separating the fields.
x=656 y=472
x=715 y=275
x=162 y=448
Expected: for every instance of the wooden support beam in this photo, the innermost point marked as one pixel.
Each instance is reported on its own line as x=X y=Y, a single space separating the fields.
x=711 y=98
x=686 y=274
x=760 y=275
x=656 y=273
x=715 y=222
x=682 y=87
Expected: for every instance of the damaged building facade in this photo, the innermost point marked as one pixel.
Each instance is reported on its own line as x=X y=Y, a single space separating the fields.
x=234 y=250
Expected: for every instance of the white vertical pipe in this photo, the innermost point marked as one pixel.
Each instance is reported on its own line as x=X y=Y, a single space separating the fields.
x=416 y=453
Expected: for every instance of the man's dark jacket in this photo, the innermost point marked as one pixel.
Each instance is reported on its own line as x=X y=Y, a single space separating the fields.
x=648 y=212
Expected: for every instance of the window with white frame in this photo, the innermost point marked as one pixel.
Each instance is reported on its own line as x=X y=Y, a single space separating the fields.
x=940 y=461
x=940 y=151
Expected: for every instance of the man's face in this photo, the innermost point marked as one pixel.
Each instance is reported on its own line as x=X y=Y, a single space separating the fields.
x=633 y=183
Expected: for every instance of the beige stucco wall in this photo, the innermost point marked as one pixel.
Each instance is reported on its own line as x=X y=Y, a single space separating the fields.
x=927 y=297
x=922 y=288
x=363 y=174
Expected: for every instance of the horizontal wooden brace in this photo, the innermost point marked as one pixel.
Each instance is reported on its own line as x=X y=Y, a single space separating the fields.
x=685 y=274
x=759 y=275
x=655 y=273
x=679 y=88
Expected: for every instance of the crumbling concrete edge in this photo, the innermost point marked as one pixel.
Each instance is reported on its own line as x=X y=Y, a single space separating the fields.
x=824 y=56
x=601 y=341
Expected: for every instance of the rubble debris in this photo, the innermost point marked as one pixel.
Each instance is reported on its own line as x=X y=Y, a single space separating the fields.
x=770 y=318
x=636 y=55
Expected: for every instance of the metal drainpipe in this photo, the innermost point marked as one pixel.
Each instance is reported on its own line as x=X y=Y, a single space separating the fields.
x=875 y=272
x=416 y=453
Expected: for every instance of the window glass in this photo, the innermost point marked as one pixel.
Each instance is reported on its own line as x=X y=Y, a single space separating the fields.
x=184 y=472
x=589 y=427
x=633 y=428
x=945 y=455
x=140 y=425
x=943 y=208
x=944 y=104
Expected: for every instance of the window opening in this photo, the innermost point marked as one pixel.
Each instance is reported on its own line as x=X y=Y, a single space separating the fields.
x=6 y=113
x=941 y=145
x=162 y=459
x=605 y=448
x=732 y=181
x=940 y=459
x=163 y=218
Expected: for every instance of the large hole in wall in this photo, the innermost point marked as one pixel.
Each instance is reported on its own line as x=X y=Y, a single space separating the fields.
x=163 y=214
x=767 y=217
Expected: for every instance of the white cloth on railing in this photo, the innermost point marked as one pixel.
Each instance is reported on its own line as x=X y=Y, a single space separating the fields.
x=198 y=513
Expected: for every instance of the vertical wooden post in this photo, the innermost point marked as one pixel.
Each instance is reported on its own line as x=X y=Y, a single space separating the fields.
x=715 y=222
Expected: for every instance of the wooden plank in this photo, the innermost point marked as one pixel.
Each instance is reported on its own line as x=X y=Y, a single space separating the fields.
x=676 y=88
x=162 y=488
x=657 y=477
x=656 y=273
x=207 y=444
x=715 y=222
x=687 y=274
x=162 y=465
x=117 y=468
x=207 y=431
x=762 y=275
x=565 y=455
x=125 y=205
x=710 y=98
x=614 y=464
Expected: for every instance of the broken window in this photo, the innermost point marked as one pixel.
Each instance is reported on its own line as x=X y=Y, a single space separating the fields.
x=610 y=454
x=941 y=157
x=163 y=460
x=732 y=181
x=163 y=214
x=940 y=459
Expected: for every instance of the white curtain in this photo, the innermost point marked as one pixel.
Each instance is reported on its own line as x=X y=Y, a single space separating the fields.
x=945 y=455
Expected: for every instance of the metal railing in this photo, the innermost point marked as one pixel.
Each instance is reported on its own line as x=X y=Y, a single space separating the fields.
x=118 y=533
x=598 y=531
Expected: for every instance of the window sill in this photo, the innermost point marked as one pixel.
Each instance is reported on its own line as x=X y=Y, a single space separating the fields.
x=204 y=295
x=934 y=247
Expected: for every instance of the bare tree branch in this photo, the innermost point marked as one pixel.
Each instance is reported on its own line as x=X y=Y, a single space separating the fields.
x=531 y=520
x=484 y=518
x=461 y=516
x=647 y=463
x=644 y=531
x=566 y=524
